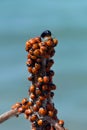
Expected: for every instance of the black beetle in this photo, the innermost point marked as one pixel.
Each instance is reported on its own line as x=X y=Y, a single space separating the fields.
x=46 y=33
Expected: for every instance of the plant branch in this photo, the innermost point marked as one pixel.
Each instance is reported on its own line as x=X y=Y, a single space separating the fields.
x=11 y=113
x=54 y=123
x=5 y=116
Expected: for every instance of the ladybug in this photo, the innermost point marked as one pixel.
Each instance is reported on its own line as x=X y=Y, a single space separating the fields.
x=46 y=33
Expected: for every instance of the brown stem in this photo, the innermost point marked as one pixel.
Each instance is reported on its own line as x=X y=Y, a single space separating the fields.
x=54 y=123
x=44 y=115
x=5 y=116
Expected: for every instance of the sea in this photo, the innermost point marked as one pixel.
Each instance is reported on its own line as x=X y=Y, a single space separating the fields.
x=21 y=20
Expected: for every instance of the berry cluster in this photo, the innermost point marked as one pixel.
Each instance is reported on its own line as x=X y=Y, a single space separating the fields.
x=39 y=106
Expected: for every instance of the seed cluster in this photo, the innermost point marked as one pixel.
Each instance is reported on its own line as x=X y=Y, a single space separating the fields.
x=39 y=62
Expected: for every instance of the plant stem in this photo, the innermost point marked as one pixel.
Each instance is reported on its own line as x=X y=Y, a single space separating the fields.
x=5 y=116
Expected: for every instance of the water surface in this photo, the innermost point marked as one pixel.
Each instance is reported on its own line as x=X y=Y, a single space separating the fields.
x=21 y=20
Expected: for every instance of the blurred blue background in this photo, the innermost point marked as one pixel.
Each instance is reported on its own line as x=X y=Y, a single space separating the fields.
x=23 y=19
